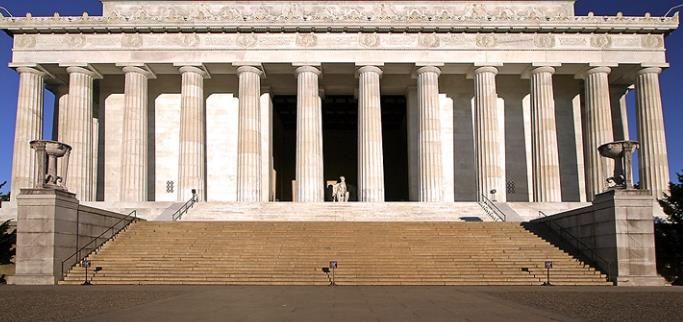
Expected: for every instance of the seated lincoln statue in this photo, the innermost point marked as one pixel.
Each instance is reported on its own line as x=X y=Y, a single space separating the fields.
x=340 y=192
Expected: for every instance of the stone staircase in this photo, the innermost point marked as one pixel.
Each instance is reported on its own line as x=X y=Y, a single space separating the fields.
x=368 y=253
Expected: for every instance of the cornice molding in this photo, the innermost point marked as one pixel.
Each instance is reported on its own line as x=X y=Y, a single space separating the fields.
x=372 y=23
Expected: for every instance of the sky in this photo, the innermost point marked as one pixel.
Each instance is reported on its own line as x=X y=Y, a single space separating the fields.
x=671 y=79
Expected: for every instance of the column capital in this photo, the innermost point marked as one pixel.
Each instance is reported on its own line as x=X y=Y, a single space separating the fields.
x=428 y=69
x=543 y=69
x=650 y=70
x=486 y=69
x=307 y=69
x=369 y=69
x=250 y=69
x=32 y=70
x=194 y=68
x=598 y=70
x=138 y=70
x=81 y=70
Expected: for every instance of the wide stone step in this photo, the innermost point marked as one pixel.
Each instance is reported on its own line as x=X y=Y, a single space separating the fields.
x=369 y=253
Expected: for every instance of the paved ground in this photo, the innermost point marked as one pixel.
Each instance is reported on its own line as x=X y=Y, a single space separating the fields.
x=286 y=303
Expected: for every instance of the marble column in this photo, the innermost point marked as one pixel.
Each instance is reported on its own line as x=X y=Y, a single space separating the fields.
x=191 y=166
x=29 y=127
x=249 y=136
x=429 y=160
x=79 y=132
x=544 y=150
x=370 y=152
x=134 y=141
x=598 y=129
x=654 y=164
x=61 y=93
x=310 y=183
x=413 y=138
x=489 y=167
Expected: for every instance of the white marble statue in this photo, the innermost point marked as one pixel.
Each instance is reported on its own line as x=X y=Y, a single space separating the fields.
x=340 y=192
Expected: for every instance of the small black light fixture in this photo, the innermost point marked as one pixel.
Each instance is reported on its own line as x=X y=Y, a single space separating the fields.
x=86 y=264
x=548 y=267
x=493 y=194
x=330 y=269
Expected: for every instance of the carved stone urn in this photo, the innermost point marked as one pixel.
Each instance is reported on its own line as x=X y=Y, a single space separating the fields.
x=47 y=154
x=622 y=153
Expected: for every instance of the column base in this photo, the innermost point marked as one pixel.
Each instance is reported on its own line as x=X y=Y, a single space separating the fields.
x=28 y=279
x=636 y=280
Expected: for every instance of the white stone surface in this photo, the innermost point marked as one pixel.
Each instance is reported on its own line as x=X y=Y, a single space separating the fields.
x=166 y=143
x=430 y=158
x=249 y=162
x=221 y=147
x=654 y=165
x=309 y=147
x=598 y=130
x=545 y=159
x=29 y=126
x=134 y=141
x=79 y=133
x=488 y=143
x=192 y=164
x=267 y=175
x=370 y=152
x=446 y=105
x=113 y=139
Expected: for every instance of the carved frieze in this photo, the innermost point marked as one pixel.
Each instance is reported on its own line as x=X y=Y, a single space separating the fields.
x=369 y=40
x=429 y=40
x=75 y=41
x=24 y=41
x=131 y=41
x=601 y=41
x=335 y=11
x=652 y=41
x=338 y=41
x=306 y=40
x=544 y=41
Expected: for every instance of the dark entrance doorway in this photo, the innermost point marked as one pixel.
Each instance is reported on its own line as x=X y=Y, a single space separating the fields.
x=340 y=144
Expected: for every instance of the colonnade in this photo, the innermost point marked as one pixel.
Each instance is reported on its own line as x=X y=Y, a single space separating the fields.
x=78 y=131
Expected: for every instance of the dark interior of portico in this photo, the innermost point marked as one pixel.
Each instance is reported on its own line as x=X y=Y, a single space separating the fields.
x=340 y=144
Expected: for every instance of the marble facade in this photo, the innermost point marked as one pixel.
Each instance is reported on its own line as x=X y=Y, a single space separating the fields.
x=161 y=97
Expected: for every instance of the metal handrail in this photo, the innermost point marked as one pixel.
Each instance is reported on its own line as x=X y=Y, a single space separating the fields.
x=491 y=209
x=593 y=257
x=186 y=207
x=131 y=217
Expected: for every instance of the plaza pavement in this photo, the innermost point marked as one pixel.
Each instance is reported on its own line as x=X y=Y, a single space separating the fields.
x=304 y=303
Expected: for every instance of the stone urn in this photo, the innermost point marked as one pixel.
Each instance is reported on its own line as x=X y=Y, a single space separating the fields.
x=622 y=154
x=47 y=154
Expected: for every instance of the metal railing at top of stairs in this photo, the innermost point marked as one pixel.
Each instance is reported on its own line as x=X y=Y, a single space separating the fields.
x=590 y=253
x=491 y=209
x=186 y=206
x=127 y=220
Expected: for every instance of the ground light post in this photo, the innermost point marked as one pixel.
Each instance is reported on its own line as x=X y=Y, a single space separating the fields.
x=548 y=267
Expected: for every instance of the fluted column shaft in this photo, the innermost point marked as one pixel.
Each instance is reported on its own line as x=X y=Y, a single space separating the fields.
x=79 y=133
x=249 y=135
x=29 y=127
x=191 y=171
x=545 y=159
x=310 y=183
x=598 y=129
x=490 y=170
x=654 y=164
x=134 y=142
x=370 y=153
x=430 y=160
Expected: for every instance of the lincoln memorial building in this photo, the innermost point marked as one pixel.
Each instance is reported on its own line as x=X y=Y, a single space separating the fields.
x=274 y=101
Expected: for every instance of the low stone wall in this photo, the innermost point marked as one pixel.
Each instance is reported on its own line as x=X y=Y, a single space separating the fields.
x=51 y=227
x=619 y=226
